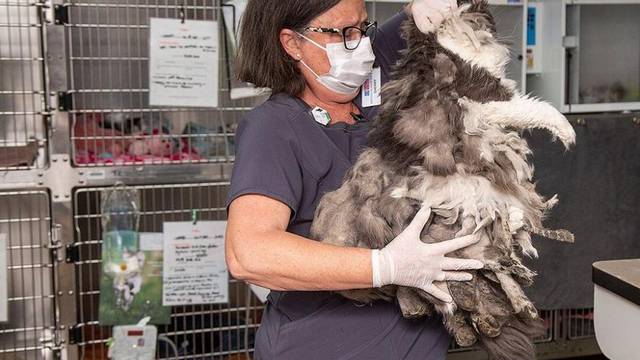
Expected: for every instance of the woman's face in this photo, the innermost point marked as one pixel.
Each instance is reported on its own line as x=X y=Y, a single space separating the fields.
x=345 y=13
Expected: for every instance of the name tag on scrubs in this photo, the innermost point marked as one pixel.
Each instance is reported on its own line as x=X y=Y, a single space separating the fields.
x=371 y=89
x=321 y=115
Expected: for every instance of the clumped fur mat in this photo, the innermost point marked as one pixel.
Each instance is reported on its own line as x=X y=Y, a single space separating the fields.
x=447 y=137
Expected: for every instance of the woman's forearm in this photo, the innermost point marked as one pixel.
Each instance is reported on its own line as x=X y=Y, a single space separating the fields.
x=280 y=260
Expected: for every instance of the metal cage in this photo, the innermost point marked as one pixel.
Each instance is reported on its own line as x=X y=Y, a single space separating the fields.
x=220 y=331
x=25 y=221
x=23 y=100
x=108 y=95
x=579 y=323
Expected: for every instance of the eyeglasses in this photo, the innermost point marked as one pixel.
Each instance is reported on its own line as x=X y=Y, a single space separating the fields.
x=350 y=33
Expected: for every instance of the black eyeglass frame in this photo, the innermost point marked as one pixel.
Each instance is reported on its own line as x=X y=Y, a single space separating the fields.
x=369 y=30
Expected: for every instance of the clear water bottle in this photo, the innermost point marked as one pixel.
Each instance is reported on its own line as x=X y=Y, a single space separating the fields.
x=120 y=222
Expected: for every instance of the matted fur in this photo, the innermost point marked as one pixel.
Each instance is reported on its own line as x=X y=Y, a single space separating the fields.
x=446 y=137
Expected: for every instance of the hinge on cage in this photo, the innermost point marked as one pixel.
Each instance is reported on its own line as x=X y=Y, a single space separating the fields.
x=569 y=42
x=72 y=254
x=65 y=101
x=55 y=237
x=47 y=10
x=61 y=14
x=53 y=345
x=74 y=334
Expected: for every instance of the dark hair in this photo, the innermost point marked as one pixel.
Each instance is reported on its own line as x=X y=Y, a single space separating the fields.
x=261 y=59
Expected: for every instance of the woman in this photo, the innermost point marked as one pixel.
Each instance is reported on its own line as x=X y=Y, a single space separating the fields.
x=317 y=54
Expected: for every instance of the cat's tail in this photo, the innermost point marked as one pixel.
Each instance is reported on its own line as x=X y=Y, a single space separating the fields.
x=523 y=112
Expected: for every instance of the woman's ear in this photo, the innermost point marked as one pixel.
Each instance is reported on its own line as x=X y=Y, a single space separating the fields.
x=290 y=43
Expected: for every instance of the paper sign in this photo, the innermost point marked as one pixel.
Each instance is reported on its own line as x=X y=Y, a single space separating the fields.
x=183 y=63
x=195 y=271
x=4 y=315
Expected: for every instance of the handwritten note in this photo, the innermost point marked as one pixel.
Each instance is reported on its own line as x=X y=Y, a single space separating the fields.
x=4 y=315
x=183 y=63
x=195 y=271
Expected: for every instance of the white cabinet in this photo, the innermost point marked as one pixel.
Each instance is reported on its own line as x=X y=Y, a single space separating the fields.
x=591 y=60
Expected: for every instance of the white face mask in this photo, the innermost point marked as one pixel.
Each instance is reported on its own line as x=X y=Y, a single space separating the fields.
x=349 y=68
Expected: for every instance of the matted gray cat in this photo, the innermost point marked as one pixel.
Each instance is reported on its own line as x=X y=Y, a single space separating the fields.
x=446 y=138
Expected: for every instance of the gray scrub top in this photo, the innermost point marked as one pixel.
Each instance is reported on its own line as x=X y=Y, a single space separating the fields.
x=283 y=153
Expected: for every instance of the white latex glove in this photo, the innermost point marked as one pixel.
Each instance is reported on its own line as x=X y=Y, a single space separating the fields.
x=429 y=14
x=407 y=261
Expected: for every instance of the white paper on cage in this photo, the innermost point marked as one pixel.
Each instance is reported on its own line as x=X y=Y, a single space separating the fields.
x=232 y=10
x=183 y=63
x=194 y=270
x=4 y=311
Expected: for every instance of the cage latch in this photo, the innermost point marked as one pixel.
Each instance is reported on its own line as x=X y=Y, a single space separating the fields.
x=72 y=253
x=74 y=334
x=55 y=237
x=65 y=101
x=52 y=344
x=61 y=14
x=570 y=42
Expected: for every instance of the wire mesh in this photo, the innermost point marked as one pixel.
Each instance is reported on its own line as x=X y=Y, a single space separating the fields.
x=112 y=122
x=549 y=318
x=22 y=94
x=579 y=323
x=25 y=222
x=215 y=331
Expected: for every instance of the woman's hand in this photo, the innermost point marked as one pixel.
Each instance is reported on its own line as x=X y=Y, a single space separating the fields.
x=429 y=14
x=407 y=261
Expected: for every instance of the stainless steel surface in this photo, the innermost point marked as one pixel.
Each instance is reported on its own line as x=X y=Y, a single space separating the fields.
x=22 y=92
x=25 y=220
x=65 y=276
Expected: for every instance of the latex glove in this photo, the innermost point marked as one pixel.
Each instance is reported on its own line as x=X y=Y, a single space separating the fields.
x=429 y=14
x=407 y=261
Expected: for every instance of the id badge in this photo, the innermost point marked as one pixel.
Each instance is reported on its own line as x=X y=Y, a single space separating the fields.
x=321 y=115
x=371 y=89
